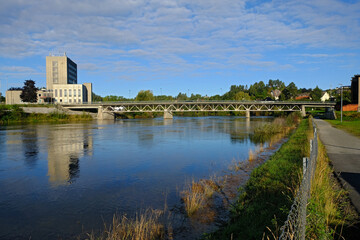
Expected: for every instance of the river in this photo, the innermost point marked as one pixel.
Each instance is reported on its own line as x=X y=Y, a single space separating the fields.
x=61 y=180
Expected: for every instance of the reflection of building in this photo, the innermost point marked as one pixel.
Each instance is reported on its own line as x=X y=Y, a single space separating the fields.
x=61 y=84
x=65 y=147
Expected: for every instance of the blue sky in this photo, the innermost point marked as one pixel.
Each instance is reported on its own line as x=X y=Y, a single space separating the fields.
x=168 y=46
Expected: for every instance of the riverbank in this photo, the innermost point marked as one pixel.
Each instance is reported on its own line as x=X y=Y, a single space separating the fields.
x=265 y=200
x=14 y=114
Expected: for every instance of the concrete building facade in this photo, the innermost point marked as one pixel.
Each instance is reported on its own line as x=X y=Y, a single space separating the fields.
x=61 y=81
x=13 y=97
x=60 y=70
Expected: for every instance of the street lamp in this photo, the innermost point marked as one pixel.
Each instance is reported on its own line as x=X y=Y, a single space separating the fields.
x=341 y=101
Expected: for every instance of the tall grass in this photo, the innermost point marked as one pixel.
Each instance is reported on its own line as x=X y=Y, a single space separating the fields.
x=280 y=125
x=145 y=226
x=329 y=210
x=197 y=194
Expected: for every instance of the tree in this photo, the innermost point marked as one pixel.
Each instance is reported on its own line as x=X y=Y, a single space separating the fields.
x=240 y=96
x=28 y=93
x=290 y=91
x=181 y=96
x=145 y=95
x=96 y=98
x=316 y=94
x=275 y=84
x=258 y=90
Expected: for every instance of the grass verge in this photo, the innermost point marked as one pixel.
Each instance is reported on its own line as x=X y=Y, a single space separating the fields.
x=265 y=200
x=351 y=122
x=329 y=212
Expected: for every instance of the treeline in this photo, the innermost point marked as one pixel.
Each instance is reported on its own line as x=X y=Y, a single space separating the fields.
x=273 y=90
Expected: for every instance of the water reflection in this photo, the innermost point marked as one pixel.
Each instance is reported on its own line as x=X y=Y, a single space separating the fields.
x=30 y=147
x=57 y=180
x=65 y=147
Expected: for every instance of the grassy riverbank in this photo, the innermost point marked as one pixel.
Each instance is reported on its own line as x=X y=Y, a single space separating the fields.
x=351 y=122
x=329 y=212
x=266 y=198
x=13 y=114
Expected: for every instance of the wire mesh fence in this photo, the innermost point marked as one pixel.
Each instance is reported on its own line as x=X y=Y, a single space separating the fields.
x=295 y=224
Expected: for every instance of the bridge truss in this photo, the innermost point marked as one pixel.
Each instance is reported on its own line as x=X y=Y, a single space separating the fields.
x=201 y=107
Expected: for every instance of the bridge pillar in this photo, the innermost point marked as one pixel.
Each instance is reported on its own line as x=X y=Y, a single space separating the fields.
x=104 y=115
x=303 y=111
x=247 y=114
x=168 y=115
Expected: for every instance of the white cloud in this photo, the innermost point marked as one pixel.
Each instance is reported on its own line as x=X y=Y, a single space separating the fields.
x=170 y=35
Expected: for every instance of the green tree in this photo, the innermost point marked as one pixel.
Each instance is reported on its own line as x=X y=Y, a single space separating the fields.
x=290 y=92
x=163 y=98
x=113 y=98
x=96 y=98
x=145 y=95
x=258 y=90
x=28 y=93
x=275 y=84
x=230 y=95
x=181 y=96
x=241 y=96
x=316 y=94
x=195 y=97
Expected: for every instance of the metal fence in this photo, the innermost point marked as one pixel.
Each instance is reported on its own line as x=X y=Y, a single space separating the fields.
x=295 y=224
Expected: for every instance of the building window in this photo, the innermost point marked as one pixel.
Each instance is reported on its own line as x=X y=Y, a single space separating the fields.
x=79 y=93
x=60 y=92
x=69 y=92
x=69 y=100
x=74 y=100
x=55 y=92
x=65 y=93
x=55 y=72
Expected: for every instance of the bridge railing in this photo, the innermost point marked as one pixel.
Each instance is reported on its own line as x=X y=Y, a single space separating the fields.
x=295 y=224
x=208 y=101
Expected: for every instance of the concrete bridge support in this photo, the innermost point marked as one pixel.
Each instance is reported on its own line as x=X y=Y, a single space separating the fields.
x=104 y=115
x=303 y=111
x=247 y=114
x=168 y=115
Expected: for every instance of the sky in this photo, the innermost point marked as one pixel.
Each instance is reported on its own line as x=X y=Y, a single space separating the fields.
x=188 y=46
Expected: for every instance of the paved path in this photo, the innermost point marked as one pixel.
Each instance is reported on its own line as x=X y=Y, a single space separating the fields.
x=343 y=150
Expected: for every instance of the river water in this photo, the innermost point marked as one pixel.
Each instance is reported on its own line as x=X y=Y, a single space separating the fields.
x=60 y=180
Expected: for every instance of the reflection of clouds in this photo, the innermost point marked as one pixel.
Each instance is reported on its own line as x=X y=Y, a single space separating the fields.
x=65 y=146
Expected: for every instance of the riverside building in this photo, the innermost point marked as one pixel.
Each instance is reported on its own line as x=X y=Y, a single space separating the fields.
x=61 y=84
x=61 y=81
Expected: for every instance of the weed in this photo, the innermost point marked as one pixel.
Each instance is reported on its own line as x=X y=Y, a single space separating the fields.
x=145 y=226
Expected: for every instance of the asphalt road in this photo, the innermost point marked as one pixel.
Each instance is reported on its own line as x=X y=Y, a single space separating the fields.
x=343 y=150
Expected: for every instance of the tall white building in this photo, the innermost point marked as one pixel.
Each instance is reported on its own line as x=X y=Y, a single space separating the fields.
x=61 y=81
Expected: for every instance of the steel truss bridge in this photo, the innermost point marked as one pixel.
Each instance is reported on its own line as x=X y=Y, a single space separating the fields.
x=107 y=110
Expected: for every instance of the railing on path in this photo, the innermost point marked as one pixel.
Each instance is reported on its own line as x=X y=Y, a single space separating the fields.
x=295 y=224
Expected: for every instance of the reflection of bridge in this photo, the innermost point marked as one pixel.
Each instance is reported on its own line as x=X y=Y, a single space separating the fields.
x=108 y=110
